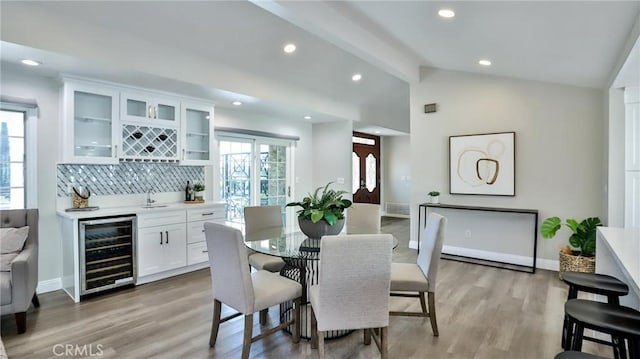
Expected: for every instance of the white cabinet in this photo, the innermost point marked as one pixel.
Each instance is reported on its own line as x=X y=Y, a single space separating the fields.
x=196 y=241
x=162 y=242
x=197 y=133
x=90 y=131
x=632 y=200
x=149 y=108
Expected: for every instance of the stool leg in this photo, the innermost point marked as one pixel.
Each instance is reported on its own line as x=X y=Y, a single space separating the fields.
x=634 y=348
x=568 y=339
x=614 y=299
x=565 y=332
x=577 y=337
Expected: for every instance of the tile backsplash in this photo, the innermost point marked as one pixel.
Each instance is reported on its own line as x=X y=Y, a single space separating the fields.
x=127 y=178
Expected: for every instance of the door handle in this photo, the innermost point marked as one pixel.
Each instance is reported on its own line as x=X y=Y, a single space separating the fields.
x=167 y=239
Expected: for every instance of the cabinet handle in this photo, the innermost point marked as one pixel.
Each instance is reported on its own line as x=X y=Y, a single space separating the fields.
x=208 y=214
x=205 y=251
x=203 y=231
x=183 y=151
x=160 y=238
x=155 y=112
x=166 y=240
x=115 y=151
x=149 y=111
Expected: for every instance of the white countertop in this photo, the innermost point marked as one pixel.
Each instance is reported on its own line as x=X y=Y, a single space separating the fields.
x=624 y=243
x=134 y=210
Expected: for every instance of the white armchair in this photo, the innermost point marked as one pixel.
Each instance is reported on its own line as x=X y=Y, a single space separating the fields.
x=353 y=288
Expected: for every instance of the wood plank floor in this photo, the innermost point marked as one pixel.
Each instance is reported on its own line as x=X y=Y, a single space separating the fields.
x=483 y=312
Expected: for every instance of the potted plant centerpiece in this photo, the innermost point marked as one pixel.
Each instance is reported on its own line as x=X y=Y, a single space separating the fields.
x=579 y=255
x=434 y=197
x=322 y=213
x=198 y=190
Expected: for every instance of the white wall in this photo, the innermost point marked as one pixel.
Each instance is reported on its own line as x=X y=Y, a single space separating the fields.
x=615 y=163
x=45 y=92
x=332 y=148
x=559 y=147
x=396 y=169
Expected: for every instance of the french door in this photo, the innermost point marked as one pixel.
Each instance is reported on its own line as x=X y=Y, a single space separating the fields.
x=366 y=168
x=253 y=172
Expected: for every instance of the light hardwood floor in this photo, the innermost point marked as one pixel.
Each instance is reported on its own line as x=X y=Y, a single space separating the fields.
x=482 y=312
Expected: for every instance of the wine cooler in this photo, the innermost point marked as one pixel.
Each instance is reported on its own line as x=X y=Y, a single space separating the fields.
x=107 y=253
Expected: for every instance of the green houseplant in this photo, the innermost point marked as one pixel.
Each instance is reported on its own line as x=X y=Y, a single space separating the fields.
x=579 y=255
x=434 y=197
x=322 y=212
x=198 y=188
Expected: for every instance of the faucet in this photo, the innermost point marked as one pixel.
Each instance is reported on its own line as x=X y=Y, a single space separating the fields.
x=149 y=200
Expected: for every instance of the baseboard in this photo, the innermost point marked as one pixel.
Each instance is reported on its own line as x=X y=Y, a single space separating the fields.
x=395 y=215
x=49 y=285
x=541 y=263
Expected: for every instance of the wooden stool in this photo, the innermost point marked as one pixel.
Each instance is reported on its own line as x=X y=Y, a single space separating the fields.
x=576 y=355
x=619 y=322
x=594 y=283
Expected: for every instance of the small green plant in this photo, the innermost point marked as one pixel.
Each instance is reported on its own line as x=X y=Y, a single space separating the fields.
x=434 y=193
x=584 y=233
x=198 y=187
x=328 y=205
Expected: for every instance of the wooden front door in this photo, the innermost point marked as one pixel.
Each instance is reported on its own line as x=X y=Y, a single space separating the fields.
x=366 y=168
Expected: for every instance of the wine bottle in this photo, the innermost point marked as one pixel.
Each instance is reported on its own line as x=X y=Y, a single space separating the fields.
x=191 y=193
x=186 y=192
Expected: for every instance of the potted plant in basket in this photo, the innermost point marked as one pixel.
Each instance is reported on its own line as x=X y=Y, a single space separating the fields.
x=198 y=189
x=434 y=197
x=322 y=212
x=579 y=255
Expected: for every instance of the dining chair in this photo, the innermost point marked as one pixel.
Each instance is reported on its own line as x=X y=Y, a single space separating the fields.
x=363 y=218
x=353 y=288
x=260 y=219
x=421 y=276
x=234 y=285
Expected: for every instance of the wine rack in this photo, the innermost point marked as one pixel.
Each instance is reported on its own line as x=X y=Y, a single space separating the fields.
x=108 y=253
x=149 y=143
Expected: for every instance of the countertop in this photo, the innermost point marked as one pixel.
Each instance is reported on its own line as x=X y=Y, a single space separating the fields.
x=624 y=243
x=134 y=210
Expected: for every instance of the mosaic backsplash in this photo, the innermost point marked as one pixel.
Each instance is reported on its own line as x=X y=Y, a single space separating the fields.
x=127 y=177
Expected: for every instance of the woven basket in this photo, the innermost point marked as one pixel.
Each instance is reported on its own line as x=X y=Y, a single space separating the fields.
x=576 y=263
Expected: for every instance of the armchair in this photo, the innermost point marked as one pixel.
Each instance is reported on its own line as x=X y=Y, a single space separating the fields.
x=18 y=286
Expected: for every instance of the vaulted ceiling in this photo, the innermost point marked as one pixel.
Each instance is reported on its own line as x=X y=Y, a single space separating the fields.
x=225 y=50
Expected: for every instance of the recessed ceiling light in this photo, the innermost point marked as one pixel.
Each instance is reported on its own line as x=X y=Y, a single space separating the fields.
x=376 y=131
x=289 y=48
x=236 y=103
x=356 y=77
x=485 y=62
x=30 y=62
x=446 y=13
x=307 y=117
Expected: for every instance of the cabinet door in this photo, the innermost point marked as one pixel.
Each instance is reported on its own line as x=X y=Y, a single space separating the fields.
x=91 y=123
x=632 y=204
x=197 y=134
x=175 y=247
x=151 y=250
x=632 y=133
x=149 y=108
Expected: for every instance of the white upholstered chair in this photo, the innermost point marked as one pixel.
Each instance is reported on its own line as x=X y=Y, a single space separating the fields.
x=261 y=219
x=353 y=288
x=234 y=285
x=421 y=277
x=363 y=218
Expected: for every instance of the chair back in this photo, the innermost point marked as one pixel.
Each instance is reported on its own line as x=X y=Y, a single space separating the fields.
x=431 y=247
x=229 y=266
x=16 y=218
x=354 y=281
x=363 y=218
x=261 y=218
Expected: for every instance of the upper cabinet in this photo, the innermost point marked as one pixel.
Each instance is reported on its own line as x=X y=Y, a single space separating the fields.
x=632 y=128
x=90 y=123
x=149 y=108
x=197 y=133
x=105 y=123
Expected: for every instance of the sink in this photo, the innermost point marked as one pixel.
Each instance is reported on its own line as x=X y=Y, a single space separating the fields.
x=155 y=206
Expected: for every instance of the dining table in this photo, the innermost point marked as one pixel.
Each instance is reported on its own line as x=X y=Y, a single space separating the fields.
x=301 y=256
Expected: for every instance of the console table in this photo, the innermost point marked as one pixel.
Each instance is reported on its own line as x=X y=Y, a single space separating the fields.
x=423 y=209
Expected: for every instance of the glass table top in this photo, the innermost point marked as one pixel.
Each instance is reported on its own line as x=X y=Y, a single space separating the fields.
x=287 y=244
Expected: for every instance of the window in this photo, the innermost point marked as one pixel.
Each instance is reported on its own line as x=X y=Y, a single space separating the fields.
x=17 y=187
x=253 y=171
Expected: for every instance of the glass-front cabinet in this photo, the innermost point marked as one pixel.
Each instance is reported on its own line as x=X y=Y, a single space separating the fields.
x=91 y=119
x=149 y=109
x=197 y=133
